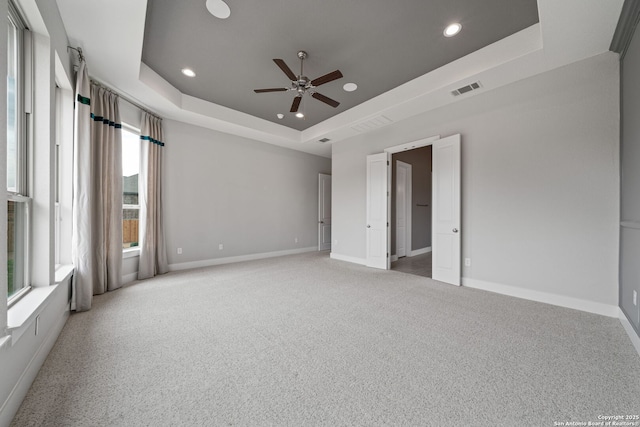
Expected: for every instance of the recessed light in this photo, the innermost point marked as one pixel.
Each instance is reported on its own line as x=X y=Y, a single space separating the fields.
x=218 y=8
x=452 y=29
x=299 y=115
x=280 y=116
x=188 y=72
x=350 y=87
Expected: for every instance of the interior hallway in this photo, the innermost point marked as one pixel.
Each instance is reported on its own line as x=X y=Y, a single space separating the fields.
x=419 y=265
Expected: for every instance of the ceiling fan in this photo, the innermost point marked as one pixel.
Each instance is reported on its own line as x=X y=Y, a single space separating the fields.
x=301 y=84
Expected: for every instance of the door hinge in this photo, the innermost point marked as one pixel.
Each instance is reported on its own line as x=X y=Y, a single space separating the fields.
x=387 y=162
x=387 y=224
x=387 y=254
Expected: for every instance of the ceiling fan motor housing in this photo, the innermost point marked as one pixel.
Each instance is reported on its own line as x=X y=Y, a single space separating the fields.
x=302 y=84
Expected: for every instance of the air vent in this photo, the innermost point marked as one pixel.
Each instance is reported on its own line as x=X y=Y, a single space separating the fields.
x=323 y=140
x=375 y=123
x=464 y=89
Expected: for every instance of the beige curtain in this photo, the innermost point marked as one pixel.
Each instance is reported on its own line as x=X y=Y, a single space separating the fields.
x=153 y=254
x=97 y=193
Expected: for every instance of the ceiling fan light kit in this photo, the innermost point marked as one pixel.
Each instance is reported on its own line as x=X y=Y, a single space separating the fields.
x=302 y=85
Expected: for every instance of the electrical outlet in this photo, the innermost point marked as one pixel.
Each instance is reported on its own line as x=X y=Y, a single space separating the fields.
x=295 y=240
x=179 y=251
x=467 y=262
x=635 y=297
x=220 y=247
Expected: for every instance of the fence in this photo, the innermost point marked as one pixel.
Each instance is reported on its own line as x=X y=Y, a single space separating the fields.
x=129 y=233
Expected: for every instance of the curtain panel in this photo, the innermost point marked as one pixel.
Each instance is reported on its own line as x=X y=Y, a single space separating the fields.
x=97 y=192
x=153 y=254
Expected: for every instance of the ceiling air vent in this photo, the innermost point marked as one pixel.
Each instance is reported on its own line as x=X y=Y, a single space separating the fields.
x=375 y=123
x=323 y=140
x=464 y=89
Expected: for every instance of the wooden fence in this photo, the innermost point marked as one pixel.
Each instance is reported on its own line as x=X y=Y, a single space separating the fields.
x=129 y=233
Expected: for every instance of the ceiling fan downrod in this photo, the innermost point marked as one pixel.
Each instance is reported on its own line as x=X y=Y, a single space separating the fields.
x=302 y=80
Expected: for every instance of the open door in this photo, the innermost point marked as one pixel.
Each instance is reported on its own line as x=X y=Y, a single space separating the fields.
x=403 y=208
x=446 y=210
x=324 y=212
x=378 y=183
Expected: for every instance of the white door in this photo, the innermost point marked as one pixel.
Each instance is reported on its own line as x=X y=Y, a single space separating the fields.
x=378 y=210
x=403 y=208
x=324 y=212
x=446 y=210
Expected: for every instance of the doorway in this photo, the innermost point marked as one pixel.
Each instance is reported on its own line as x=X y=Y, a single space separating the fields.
x=411 y=211
x=324 y=212
x=445 y=203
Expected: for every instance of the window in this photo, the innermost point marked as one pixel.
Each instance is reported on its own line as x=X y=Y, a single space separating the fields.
x=18 y=201
x=130 y=176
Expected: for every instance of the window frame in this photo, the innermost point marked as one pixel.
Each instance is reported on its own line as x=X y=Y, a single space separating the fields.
x=20 y=192
x=133 y=250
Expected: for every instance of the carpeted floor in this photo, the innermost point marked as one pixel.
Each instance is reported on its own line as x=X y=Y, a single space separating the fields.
x=305 y=340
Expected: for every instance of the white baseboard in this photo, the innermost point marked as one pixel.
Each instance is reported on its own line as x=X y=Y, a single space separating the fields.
x=420 y=251
x=128 y=278
x=354 y=260
x=545 y=297
x=10 y=406
x=240 y=258
x=635 y=340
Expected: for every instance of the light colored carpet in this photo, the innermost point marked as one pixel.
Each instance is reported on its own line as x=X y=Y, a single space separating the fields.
x=305 y=340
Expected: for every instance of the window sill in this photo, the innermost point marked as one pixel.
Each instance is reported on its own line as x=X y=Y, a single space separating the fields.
x=130 y=252
x=63 y=272
x=22 y=314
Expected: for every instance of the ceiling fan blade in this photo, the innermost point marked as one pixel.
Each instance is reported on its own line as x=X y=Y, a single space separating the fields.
x=325 y=99
x=296 y=104
x=334 y=75
x=275 y=89
x=285 y=68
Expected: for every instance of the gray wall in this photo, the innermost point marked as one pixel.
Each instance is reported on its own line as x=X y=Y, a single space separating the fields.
x=420 y=161
x=249 y=196
x=630 y=196
x=540 y=180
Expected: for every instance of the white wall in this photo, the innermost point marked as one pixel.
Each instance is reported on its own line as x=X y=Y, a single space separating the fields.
x=540 y=181
x=21 y=358
x=253 y=198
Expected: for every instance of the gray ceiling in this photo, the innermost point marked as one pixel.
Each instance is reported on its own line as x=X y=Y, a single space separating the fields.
x=377 y=44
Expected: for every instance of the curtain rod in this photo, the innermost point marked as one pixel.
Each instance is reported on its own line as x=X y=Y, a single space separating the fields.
x=104 y=86
x=77 y=49
x=135 y=104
